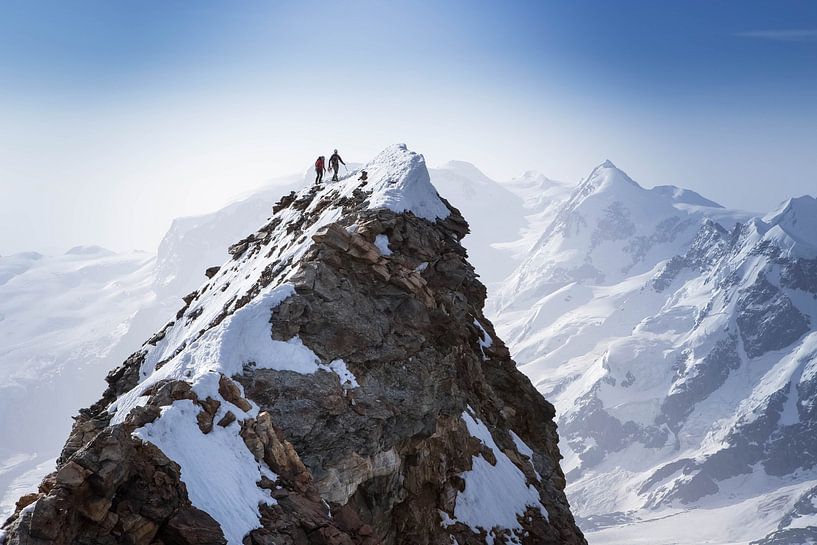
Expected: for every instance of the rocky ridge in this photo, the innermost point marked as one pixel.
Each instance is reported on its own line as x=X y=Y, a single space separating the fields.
x=335 y=382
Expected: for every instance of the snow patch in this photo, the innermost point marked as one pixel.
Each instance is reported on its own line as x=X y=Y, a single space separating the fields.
x=347 y=378
x=219 y=471
x=382 y=243
x=494 y=495
x=524 y=450
x=486 y=341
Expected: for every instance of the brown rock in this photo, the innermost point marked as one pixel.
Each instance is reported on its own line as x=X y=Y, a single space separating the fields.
x=205 y=421
x=139 y=416
x=231 y=392
x=25 y=501
x=45 y=519
x=108 y=523
x=95 y=508
x=191 y=526
x=333 y=235
x=72 y=474
x=210 y=405
x=48 y=484
x=227 y=419
x=139 y=529
x=381 y=271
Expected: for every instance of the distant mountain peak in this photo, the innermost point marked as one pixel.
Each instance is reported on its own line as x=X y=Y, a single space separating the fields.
x=467 y=170
x=797 y=218
x=89 y=250
x=606 y=176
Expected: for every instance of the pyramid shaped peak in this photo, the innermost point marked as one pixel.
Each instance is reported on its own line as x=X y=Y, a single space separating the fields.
x=797 y=217
x=606 y=176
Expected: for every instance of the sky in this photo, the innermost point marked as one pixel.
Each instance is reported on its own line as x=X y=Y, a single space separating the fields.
x=117 y=116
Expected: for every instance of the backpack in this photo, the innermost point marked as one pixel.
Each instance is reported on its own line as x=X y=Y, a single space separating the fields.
x=319 y=163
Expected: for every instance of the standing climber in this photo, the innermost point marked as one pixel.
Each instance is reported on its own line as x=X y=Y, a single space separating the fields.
x=320 y=167
x=333 y=164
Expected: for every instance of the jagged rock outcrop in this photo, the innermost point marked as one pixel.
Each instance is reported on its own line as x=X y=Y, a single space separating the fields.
x=334 y=383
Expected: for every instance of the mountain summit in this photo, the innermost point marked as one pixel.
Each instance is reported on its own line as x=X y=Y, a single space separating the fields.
x=335 y=382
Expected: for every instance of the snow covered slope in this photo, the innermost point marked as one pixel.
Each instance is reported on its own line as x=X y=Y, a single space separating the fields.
x=677 y=341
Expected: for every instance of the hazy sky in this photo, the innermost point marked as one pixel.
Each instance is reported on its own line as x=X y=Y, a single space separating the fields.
x=116 y=116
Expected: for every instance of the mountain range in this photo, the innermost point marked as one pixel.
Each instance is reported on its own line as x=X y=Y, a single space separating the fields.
x=675 y=338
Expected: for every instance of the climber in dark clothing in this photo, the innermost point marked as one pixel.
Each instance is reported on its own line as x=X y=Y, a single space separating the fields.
x=333 y=164
x=320 y=167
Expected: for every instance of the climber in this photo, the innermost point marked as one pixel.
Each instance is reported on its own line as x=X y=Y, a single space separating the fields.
x=320 y=166
x=364 y=176
x=333 y=164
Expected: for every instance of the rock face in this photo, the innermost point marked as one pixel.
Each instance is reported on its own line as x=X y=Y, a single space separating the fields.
x=336 y=382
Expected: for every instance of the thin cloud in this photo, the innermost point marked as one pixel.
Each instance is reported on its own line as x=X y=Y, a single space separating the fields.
x=801 y=35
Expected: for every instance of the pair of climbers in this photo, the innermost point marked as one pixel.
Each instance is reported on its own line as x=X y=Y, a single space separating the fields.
x=334 y=163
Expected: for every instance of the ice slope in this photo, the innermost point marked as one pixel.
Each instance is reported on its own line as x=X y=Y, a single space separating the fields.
x=677 y=341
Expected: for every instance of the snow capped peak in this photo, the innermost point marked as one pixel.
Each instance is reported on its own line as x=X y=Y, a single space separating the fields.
x=793 y=210
x=606 y=177
x=796 y=220
x=285 y=371
x=533 y=179
x=400 y=182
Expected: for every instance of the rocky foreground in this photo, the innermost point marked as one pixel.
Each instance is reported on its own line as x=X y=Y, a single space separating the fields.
x=336 y=382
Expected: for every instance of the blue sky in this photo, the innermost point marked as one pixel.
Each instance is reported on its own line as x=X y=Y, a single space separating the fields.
x=118 y=116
